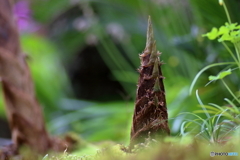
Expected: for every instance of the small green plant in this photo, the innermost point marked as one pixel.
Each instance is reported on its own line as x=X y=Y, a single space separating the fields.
x=220 y=121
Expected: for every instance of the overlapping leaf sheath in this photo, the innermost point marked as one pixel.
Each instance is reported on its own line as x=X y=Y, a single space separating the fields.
x=23 y=110
x=150 y=114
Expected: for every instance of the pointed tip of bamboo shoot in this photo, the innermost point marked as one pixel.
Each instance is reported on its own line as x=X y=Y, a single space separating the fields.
x=150 y=38
x=154 y=54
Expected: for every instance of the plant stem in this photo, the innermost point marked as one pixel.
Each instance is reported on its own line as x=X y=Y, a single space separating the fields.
x=227 y=13
x=230 y=91
x=233 y=56
x=236 y=45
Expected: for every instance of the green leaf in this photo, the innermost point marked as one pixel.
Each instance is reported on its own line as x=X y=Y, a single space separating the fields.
x=220 y=75
x=223 y=30
x=204 y=69
x=225 y=73
x=228 y=32
x=212 y=35
x=212 y=78
x=231 y=26
x=234 y=33
x=225 y=37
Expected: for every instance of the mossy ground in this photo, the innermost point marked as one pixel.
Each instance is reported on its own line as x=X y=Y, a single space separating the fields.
x=169 y=148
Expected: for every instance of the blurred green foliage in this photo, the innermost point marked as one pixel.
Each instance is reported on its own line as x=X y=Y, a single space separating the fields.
x=48 y=75
x=117 y=29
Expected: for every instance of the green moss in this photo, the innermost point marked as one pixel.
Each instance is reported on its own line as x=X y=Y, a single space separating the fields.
x=170 y=148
